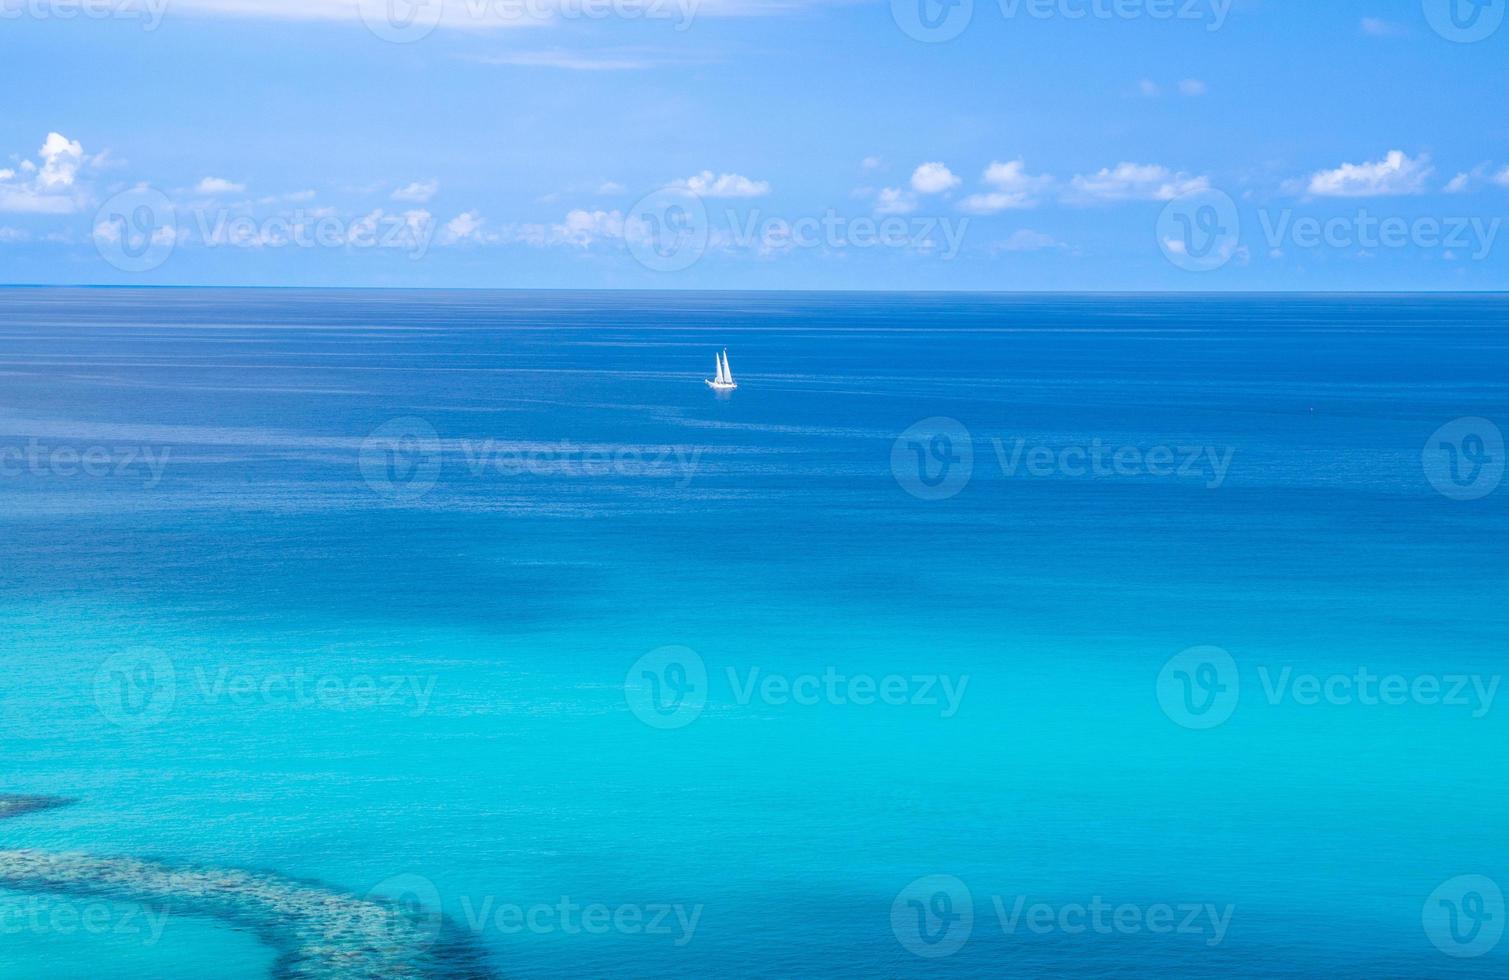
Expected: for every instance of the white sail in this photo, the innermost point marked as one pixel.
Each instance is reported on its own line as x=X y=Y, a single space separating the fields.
x=723 y=375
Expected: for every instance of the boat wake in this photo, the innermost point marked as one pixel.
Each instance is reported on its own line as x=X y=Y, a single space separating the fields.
x=319 y=932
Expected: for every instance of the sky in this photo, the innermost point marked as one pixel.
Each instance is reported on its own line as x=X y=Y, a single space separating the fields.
x=757 y=144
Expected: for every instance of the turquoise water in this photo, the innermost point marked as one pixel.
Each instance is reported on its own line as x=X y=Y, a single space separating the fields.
x=475 y=611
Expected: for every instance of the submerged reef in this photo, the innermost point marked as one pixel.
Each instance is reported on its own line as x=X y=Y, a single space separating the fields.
x=319 y=932
x=15 y=806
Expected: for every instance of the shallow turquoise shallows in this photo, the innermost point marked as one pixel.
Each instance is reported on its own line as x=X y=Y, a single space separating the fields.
x=970 y=636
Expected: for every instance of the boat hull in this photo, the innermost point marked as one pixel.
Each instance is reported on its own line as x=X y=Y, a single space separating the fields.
x=720 y=385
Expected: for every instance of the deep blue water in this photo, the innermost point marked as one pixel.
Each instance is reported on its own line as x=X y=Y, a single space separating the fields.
x=562 y=495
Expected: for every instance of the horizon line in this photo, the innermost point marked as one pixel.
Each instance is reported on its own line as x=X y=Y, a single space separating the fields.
x=705 y=291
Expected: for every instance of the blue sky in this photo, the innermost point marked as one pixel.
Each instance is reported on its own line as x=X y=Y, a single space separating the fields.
x=769 y=144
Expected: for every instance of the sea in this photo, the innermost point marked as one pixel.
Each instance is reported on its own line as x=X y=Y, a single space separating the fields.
x=972 y=635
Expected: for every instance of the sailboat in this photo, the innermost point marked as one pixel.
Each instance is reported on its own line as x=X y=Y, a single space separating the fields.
x=724 y=379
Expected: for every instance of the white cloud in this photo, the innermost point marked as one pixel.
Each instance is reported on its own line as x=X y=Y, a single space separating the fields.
x=379 y=224
x=572 y=60
x=610 y=187
x=49 y=188
x=61 y=159
x=111 y=230
x=1192 y=86
x=581 y=228
x=870 y=163
x=213 y=186
x=584 y=228
x=1011 y=187
x=1376 y=27
x=723 y=185
x=1027 y=240
x=894 y=200
x=419 y=192
x=464 y=227
x=933 y=178
x=12 y=234
x=468 y=16
x=295 y=197
x=1469 y=180
x=1396 y=173
x=1148 y=88
x=1134 y=182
